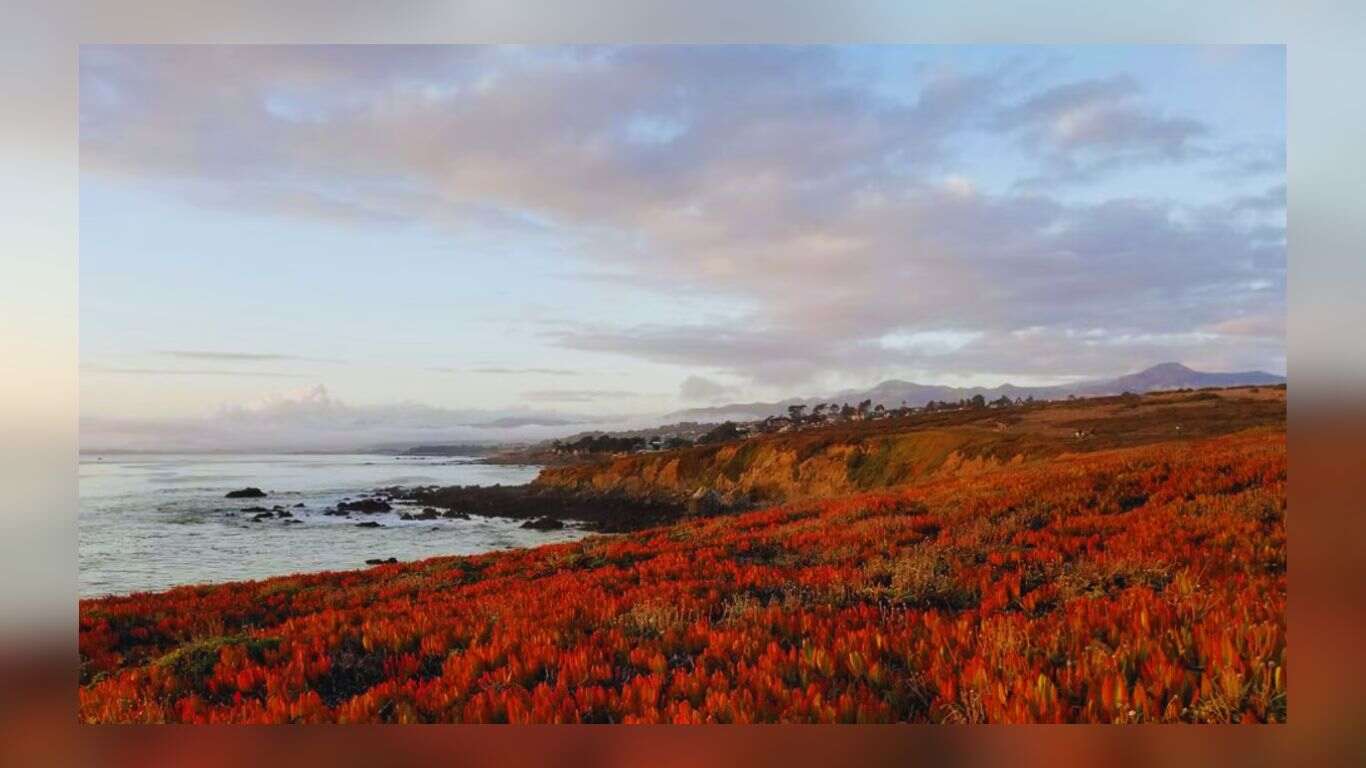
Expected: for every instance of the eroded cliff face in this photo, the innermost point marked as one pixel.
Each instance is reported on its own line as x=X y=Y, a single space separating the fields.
x=882 y=454
x=777 y=469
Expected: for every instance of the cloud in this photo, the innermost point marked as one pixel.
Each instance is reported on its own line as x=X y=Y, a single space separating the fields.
x=1082 y=128
x=578 y=395
x=501 y=371
x=698 y=389
x=829 y=220
x=1263 y=326
x=312 y=419
x=529 y=421
x=245 y=357
x=944 y=276
x=1242 y=159
x=102 y=369
x=1272 y=200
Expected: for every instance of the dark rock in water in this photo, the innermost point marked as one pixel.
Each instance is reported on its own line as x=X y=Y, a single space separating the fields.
x=246 y=493
x=381 y=561
x=260 y=517
x=300 y=505
x=370 y=524
x=277 y=507
x=294 y=522
x=284 y=513
x=427 y=514
x=367 y=506
x=607 y=512
x=543 y=524
x=255 y=509
x=330 y=512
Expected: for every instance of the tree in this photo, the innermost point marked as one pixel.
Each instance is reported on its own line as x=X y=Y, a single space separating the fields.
x=721 y=433
x=795 y=412
x=978 y=401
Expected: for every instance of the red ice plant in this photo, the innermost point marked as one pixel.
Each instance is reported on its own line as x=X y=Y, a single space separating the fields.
x=1134 y=585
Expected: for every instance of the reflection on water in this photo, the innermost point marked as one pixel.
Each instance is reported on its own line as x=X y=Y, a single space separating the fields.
x=153 y=522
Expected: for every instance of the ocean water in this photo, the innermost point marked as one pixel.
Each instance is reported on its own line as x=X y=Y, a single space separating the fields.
x=150 y=522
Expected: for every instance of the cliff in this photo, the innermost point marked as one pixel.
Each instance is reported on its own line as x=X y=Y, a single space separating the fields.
x=849 y=458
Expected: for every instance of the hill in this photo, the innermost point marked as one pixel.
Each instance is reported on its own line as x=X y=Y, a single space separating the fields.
x=850 y=457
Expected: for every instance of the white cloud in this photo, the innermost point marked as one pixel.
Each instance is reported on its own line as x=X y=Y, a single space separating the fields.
x=310 y=418
x=695 y=389
x=768 y=176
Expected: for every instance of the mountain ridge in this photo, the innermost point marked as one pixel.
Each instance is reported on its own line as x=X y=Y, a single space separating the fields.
x=894 y=392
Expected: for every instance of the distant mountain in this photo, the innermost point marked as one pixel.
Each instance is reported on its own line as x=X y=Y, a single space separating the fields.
x=894 y=393
x=1177 y=376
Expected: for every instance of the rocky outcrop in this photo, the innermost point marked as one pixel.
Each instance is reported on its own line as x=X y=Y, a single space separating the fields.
x=543 y=524
x=245 y=493
x=365 y=506
x=544 y=506
x=705 y=502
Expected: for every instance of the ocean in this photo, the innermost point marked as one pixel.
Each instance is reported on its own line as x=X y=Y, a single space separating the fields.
x=151 y=522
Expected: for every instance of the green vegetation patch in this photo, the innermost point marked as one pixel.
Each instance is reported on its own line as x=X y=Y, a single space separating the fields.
x=900 y=458
x=741 y=461
x=195 y=660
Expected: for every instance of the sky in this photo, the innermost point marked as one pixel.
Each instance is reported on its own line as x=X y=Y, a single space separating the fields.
x=295 y=246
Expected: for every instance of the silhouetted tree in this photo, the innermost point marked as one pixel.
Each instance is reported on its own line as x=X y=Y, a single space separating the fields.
x=721 y=433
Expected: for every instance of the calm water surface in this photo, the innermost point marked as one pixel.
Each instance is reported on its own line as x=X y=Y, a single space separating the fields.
x=151 y=522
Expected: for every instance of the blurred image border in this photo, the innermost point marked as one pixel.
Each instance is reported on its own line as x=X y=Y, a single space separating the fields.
x=38 y=403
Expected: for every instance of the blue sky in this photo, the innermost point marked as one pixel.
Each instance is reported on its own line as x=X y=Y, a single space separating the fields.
x=319 y=234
